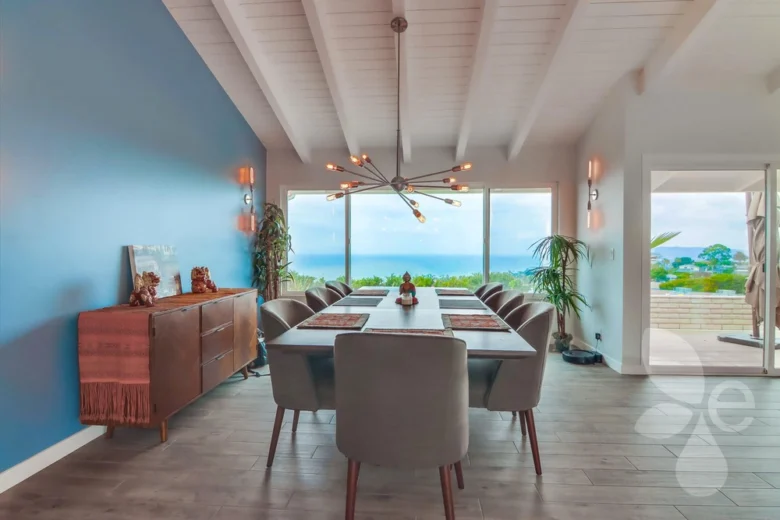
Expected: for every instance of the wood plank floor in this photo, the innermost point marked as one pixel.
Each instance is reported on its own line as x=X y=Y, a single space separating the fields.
x=601 y=461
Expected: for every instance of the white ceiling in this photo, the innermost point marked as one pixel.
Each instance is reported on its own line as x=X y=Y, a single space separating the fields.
x=312 y=74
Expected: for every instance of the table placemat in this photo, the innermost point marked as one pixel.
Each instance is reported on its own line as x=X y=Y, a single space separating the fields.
x=360 y=302
x=371 y=292
x=429 y=332
x=461 y=304
x=454 y=292
x=335 y=321
x=474 y=322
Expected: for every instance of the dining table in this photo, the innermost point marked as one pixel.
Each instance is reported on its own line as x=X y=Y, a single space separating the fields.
x=426 y=315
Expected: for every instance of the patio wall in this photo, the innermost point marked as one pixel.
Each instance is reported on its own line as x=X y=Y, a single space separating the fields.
x=699 y=312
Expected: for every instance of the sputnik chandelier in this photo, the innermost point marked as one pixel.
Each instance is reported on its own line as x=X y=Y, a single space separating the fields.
x=403 y=186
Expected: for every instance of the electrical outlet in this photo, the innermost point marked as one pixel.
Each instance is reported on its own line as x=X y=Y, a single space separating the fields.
x=598 y=336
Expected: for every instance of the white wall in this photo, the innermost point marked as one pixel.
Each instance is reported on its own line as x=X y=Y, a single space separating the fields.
x=601 y=282
x=713 y=123
x=535 y=166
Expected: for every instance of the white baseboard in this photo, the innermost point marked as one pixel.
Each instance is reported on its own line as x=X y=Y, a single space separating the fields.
x=26 y=469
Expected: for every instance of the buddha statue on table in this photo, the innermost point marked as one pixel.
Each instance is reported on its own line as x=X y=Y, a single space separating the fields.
x=408 y=291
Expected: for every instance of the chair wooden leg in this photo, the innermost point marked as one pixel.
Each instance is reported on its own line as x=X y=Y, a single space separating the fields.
x=446 y=491
x=164 y=431
x=529 y=418
x=459 y=475
x=523 y=428
x=109 y=431
x=353 y=471
x=295 y=420
x=514 y=414
x=275 y=435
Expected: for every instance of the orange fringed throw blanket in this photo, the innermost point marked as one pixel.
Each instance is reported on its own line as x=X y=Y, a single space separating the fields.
x=114 y=357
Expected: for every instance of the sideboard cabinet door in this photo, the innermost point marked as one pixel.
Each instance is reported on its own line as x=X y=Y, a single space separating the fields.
x=175 y=360
x=244 y=330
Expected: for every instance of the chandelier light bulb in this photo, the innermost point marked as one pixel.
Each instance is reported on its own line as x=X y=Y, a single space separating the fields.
x=334 y=167
x=419 y=216
x=459 y=187
x=449 y=180
x=350 y=185
x=414 y=203
x=334 y=196
x=464 y=166
x=366 y=158
x=356 y=160
x=410 y=188
x=451 y=202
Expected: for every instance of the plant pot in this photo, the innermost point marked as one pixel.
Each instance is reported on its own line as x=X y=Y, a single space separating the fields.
x=562 y=343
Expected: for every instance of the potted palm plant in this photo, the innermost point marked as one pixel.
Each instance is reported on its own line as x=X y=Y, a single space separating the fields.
x=554 y=278
x=272 y=243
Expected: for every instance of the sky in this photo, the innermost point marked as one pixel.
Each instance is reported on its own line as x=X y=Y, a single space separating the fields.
x=383 y=225
x=703 y=219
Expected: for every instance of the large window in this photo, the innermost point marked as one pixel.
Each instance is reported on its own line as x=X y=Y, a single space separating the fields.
x=318 y=234
x=518 y=218
x=387 y=240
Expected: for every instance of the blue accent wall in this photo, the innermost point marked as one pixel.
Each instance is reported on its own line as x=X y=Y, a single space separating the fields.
x=112 y=132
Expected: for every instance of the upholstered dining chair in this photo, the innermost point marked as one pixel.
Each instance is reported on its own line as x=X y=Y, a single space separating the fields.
x=507 y=301
x=319 y=298
x=382 y=417
x=299 y=382
x=516 y=385
x=340 y=287
x=489 y=290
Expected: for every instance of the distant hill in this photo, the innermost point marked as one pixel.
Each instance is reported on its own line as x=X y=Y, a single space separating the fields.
x=672 y=252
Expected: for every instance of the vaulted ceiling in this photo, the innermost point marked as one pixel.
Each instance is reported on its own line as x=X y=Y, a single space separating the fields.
x=311 y=74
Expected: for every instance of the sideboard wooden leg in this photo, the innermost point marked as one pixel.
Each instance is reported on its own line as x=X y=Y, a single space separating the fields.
x=164 y=431
x=245 y=371
x=109 y=431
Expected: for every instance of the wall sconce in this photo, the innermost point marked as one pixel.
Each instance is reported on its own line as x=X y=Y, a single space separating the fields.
x=246 y=175
x=593 y=193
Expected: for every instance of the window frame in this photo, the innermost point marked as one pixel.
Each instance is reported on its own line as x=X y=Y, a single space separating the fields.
x=486 y=188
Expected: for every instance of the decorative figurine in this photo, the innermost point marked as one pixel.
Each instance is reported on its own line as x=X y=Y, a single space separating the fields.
x=144 y=289
x=201 y=280
x=408 y=291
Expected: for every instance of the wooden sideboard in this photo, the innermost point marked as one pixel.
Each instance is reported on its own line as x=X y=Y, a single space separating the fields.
x=140 y=365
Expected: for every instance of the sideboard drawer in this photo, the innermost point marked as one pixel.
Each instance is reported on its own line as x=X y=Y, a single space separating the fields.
x=215 y=343
x=215 y=314
x=216 y=371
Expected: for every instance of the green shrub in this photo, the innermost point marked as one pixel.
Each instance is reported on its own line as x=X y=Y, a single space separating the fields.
x=510 y=280
x=710 y=284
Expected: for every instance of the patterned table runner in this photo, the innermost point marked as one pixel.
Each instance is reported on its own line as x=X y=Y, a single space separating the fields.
x=429 y=332
x=371 y=292
x=335 y=321
x=461 y=304
x=473 y=322
x=358 y=301
x=454 y=292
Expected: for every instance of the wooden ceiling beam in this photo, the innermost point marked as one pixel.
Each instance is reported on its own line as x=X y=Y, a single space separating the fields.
x=481 y=56
x=399 y=9
x=269 y=81
x=567 y=26
x=692 y=25
x=319 y=32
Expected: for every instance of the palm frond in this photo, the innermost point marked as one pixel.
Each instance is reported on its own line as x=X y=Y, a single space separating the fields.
x=663 y=238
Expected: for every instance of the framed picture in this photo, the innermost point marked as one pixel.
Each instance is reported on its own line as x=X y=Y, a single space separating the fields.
x=162 y=261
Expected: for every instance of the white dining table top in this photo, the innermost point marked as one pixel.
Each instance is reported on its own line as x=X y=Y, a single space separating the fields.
x=425 y=315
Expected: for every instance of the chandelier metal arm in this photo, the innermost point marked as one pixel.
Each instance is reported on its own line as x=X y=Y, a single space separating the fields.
x=406 y=200
x=378 y=171
x=352 y=192
x=371 y=178
x=429 y=175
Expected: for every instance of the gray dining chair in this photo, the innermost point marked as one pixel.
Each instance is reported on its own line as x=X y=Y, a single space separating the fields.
x=340 y=287
x=299 y=382
x=489 y=290
x=402 y=402
x=516 y=385
x=500 y=299
x=319 y=298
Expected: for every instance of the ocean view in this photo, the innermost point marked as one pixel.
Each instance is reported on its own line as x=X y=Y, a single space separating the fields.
x=332 y=266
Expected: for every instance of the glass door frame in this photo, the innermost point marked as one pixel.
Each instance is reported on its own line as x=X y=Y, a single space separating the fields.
x=767 y=163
